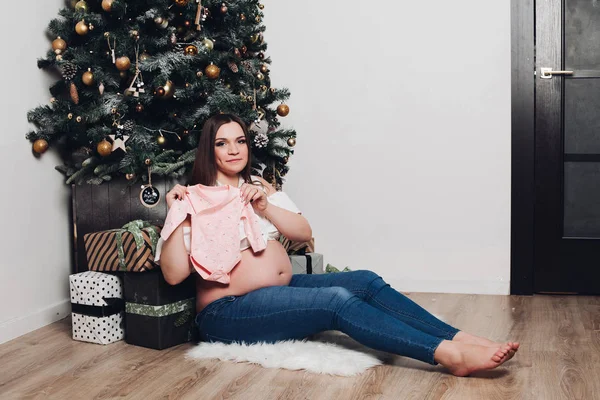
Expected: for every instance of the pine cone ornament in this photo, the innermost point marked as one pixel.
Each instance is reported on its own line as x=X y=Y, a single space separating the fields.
x=74 y=93
x=261 y=140
x=248 y=65
x=233 y=67
x=68 y=70
x=128 y=126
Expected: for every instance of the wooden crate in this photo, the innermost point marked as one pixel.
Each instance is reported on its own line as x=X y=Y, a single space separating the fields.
x=110 y=206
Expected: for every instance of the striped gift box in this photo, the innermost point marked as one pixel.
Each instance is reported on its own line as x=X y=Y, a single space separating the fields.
x=128 y=249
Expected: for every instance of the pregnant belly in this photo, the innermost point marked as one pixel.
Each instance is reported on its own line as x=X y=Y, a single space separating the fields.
x=270 y=267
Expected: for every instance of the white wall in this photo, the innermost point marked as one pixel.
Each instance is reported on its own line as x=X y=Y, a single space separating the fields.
x=403 y=156
x=35 y=262
x=403 y=118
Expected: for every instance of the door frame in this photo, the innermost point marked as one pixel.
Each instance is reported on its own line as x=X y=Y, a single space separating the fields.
x=522 y=146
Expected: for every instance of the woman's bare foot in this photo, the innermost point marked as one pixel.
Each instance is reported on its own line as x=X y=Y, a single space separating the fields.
x=462 y=359
x=467 y=338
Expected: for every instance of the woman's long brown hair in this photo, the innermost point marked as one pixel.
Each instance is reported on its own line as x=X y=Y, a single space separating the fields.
x=204 y=171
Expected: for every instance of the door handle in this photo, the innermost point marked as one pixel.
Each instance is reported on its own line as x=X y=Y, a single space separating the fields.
x=547 y=73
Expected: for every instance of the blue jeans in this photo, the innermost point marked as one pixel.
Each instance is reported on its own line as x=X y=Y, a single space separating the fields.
x=359 y=303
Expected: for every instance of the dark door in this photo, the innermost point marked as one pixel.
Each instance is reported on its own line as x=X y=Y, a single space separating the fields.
x=567 y=147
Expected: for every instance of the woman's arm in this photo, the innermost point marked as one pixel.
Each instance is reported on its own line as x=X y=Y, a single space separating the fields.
x=290 y=224
x=174 y=259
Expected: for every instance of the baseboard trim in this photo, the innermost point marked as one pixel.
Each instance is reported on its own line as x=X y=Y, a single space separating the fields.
x=450 y=286
x=15 y=327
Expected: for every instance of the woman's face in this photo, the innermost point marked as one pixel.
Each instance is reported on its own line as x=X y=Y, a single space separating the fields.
x=231 y=149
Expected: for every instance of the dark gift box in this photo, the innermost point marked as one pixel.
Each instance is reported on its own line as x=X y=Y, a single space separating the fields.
x=158 y=315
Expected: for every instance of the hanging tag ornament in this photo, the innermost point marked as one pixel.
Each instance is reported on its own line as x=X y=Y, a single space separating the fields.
x=149 y=196
x=201 y=15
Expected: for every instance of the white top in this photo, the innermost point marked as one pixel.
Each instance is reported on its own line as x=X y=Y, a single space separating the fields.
x=269 y=231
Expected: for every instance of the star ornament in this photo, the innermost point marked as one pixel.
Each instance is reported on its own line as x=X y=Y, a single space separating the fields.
x=119 y=141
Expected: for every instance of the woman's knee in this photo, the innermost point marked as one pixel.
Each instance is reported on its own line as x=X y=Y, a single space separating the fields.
x=337 y=296
x=366 y=276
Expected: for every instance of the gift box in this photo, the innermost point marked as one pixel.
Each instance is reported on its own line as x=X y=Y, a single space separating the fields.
x=297 y=247
x=97 y=307
x=158 y=315
x=130 y=248
x=309 y=263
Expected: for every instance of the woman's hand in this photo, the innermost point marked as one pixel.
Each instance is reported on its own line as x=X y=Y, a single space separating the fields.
x=254 y=194
x=177 y=193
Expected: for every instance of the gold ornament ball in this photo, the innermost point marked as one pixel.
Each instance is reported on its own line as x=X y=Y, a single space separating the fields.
x=242 y=17
x=113 y=111
x=212 y=71
x=88 y=77
x=40 y=146
x=162 y=141
x=107 y=5
x=91 y=27
x=59 y=45
x=181 y=3
x=167 y=91
x=148 y=161
x=264 y=68
x=260 y=76
x=161 y=22
x=208 y=44
x=224 y=8
x=70 y=115
x=52 y=100
x=261 y=56
x=144 y=56
x=191 y=50
x=257 y=19
x=139 y=108
x=123 y=63
x=273 y=90
x=291 y=142
x=283 y=110
x=199 y=74
x=129 y=176
x=286 y=160
x=81 y=6
x=244 y=49
x=59 y=58
x=263 y=88
x=261 y=6
x=81 y=28
x=79 y=119
x=104 y=148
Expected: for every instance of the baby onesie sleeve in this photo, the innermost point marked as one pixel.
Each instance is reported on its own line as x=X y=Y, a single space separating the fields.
x=252 y=228
x=177 y=214
x=281 y=199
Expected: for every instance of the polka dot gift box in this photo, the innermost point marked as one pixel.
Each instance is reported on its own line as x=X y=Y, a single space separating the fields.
x=97 y=307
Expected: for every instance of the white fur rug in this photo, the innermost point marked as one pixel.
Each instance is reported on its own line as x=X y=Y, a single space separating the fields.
x=329 y=352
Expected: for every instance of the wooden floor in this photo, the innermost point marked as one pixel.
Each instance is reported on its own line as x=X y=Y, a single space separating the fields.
x=559 y=359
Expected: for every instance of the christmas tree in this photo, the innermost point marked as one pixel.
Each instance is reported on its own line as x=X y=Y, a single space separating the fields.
x=137 y=79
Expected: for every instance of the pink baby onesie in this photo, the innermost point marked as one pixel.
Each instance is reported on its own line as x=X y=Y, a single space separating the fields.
x=215 y=242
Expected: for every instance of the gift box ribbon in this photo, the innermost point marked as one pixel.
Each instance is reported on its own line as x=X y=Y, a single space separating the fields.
x=113 y=306
x=159 y=311
x=135 y=228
